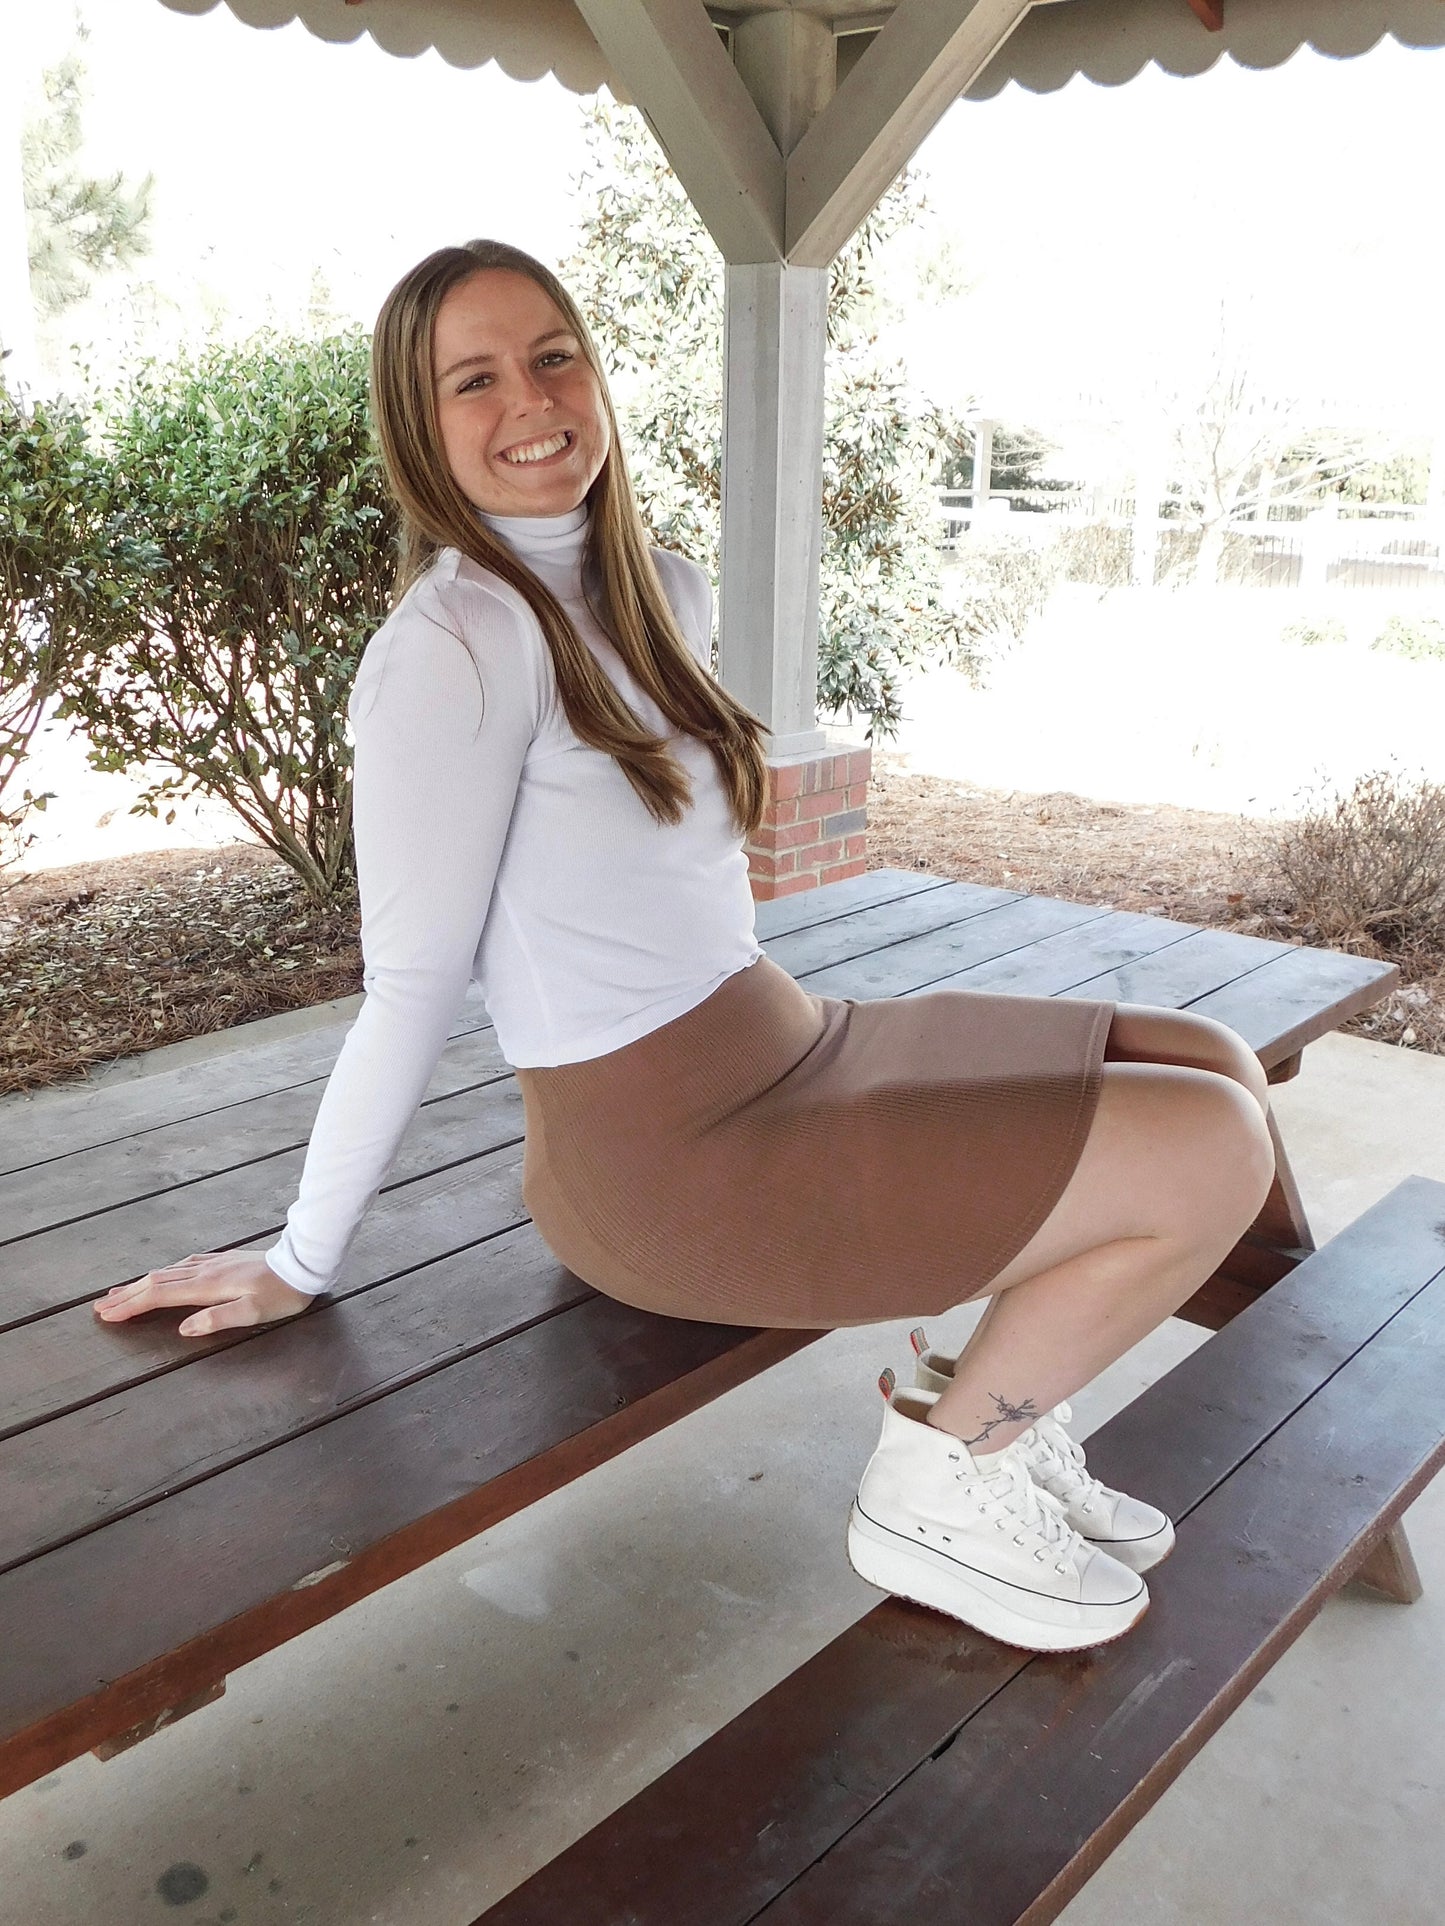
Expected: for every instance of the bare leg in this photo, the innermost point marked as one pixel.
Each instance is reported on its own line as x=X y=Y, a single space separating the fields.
x=1141 y=1033
x=1176 y=1166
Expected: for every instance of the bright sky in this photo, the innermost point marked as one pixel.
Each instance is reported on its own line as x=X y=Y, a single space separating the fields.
x=1110 y=235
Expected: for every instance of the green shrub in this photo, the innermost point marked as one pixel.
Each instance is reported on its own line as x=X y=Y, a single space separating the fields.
x=249 y=477
x=651 y=283
x=1098 y=553
x=1314 y=631
x=1420 y=639
x=61 y=559
x=1008 y=580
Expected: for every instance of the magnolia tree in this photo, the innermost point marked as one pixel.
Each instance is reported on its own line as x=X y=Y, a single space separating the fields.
x=651 y=282
x=264 y=553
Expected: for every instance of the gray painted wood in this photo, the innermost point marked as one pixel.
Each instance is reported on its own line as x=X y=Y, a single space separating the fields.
x=86 y=1182
x=75 y=1116
x=921 y=961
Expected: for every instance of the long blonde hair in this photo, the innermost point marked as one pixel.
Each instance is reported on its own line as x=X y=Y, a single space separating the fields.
x=633 y=611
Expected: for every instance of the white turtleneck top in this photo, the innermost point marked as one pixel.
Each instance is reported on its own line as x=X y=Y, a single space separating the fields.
x=492 y=842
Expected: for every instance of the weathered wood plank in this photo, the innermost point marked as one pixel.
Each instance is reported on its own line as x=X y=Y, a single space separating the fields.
x=77 y=1472
x=1297 y=998
x=845 y=938
x=784 y=914
x=922 y=961
x=1181 y=972
x=86 y=1182
x=1059 y=963
x=117 y=1626
x=54 y=1122
x=69 y=1357
x=75 y=1262
x=768 y=1795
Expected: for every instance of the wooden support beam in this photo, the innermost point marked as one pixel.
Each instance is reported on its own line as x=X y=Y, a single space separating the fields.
x=775 y=340
x=926 y=55
x=668 y=55
x=1391 y=1570
x=1211 y=12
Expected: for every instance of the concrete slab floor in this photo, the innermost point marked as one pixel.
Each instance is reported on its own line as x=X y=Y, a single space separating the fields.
x=413 y=1759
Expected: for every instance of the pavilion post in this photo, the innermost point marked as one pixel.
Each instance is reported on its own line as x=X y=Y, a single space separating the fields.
x=774 y=342
x=783 y=163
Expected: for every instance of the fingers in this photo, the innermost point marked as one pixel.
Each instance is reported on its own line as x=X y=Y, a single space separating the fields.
x=238 y=1311
x=160 y=1289
x=231 y=1290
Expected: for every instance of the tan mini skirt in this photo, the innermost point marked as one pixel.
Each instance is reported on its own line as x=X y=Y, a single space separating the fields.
x=777 y=1158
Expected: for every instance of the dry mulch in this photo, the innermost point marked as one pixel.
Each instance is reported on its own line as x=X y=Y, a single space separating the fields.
x=1190 y=864
x=100 y=960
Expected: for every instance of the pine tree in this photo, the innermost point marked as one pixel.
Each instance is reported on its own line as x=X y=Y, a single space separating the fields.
x=80 y=225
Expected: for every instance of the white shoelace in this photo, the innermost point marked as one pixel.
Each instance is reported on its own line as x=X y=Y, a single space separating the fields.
x=1063 y=1464
x=1013 y=1497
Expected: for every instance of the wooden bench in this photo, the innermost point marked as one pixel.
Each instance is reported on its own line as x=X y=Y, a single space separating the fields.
x=916 y=1770
x=170 y=1514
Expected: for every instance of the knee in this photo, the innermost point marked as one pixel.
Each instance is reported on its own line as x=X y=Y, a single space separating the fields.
x=1229 y=1135
x=1225 y=1051
x=1199 y=1145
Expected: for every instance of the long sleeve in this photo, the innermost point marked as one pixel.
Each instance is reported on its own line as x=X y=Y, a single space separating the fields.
x=441 y=726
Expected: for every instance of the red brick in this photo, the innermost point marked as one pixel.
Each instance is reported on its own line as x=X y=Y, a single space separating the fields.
x=860 y=765
x=780 y=812
x=787 y=780
x=839 y=872
x=815 y=807
x=819 y=853
x=856 y=846
x=767 y=862
x=795 y=836
x=855 y=796
x=792 y=885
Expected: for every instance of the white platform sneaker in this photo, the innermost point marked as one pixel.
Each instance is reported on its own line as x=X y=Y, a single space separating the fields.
x=1138 y=1535
x=981 y=1542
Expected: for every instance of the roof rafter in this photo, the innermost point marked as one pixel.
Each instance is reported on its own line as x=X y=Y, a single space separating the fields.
x=927 y=53
x=668 y=55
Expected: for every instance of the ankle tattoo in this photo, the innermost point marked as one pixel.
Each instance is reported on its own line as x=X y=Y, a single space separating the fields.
x=1007 y=1414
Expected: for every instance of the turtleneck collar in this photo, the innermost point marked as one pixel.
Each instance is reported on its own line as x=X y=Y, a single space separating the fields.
x=555 y=539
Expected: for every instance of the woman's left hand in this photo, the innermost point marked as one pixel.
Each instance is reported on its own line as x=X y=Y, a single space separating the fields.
x=235 y=1288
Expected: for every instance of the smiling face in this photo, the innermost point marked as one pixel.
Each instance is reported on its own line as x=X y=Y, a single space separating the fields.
x=523 y=423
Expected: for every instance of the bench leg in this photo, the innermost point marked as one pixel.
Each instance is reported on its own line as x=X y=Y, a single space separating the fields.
x=123 y=1741
x=1391 y=1570
x=1278 y=1239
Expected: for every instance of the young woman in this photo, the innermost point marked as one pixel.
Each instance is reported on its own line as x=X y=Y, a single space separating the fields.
x=552 y=793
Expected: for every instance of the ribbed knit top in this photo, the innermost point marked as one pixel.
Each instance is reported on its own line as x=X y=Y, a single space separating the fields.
x=492 y=842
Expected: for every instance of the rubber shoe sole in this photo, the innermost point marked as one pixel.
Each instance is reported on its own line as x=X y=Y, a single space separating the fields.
x=1139 y=1554
x=1030 y=1621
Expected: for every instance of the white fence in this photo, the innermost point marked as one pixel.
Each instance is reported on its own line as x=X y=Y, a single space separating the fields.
x=1296 y=545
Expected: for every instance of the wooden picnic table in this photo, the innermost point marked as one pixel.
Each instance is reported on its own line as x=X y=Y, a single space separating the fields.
x=169 y=1514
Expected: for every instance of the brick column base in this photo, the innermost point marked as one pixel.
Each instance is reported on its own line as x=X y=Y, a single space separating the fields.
x=813 y=830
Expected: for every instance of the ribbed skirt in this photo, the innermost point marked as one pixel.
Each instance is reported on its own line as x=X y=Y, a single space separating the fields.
x=777 y=1158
